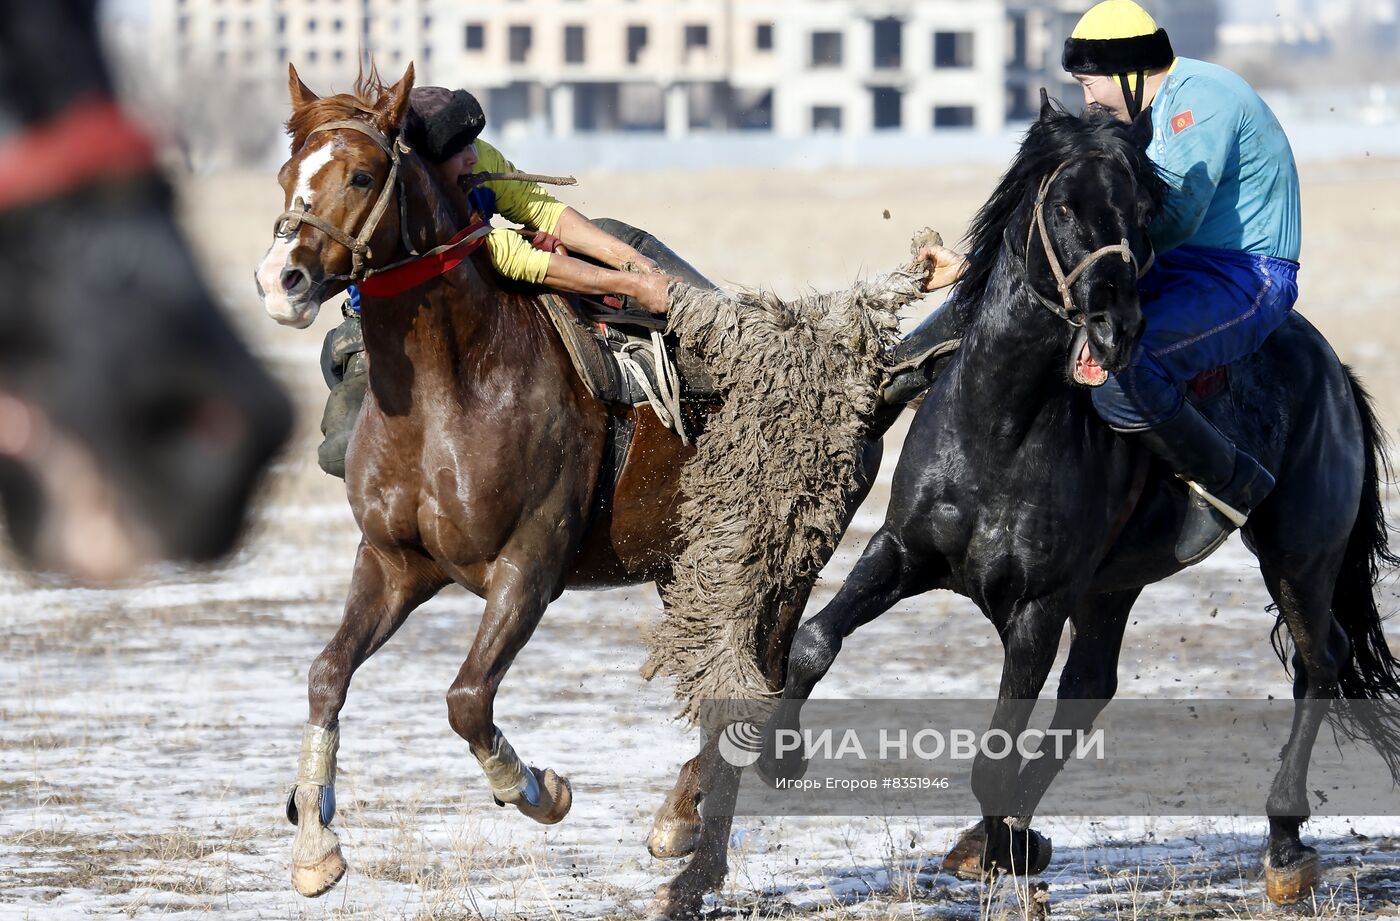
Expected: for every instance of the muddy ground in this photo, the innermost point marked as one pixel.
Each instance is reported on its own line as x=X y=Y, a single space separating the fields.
x=147 y=733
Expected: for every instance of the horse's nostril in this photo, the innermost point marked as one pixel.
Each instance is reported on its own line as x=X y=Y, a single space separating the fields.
x=293 y=279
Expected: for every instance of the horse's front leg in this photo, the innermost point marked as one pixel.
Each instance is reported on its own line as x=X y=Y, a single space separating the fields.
x=1088 y=682
x=1031 y=635
x=384 y=590
x=515 y=601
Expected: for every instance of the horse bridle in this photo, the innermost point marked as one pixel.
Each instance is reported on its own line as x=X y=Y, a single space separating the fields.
x=1067 y=310
x=290 y=221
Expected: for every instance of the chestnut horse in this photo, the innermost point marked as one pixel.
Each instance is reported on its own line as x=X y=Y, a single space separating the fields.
x=479 y=457
x=133 y=422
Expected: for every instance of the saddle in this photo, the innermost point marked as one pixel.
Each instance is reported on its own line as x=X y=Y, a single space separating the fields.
x=624 y=357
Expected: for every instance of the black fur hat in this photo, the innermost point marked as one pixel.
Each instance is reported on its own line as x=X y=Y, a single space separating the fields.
x=1118 y=55
x=443 y=121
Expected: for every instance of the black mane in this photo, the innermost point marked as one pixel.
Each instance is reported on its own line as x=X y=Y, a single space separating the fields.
x=1055 y=138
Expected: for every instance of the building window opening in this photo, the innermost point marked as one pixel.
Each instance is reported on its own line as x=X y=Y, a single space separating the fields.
x=826 y=49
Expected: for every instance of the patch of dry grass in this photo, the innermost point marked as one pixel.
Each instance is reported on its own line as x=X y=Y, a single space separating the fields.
x=178 y=862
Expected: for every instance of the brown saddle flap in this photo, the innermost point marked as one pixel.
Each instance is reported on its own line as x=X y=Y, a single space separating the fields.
x=593 y=347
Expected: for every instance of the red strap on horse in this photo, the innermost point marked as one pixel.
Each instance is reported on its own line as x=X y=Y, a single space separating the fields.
x=408 y=275
x=91 y=140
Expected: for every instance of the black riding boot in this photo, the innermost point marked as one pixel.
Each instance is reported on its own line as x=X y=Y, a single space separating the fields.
x=1226 y=483
x=346 y=369
x=646 y=244
x=917 y=362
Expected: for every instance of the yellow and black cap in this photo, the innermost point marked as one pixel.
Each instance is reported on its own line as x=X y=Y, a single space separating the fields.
x=1119 y=38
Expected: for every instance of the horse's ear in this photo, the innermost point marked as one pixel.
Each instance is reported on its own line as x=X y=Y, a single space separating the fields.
x=1047 y=108
x=393 y=106
x=301 y=94
x=1141 y=132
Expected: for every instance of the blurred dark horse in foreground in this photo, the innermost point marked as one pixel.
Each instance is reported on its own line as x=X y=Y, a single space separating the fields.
x=1012 y=492
x=133 y=423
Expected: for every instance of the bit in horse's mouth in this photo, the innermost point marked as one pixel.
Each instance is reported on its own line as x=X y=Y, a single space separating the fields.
x=1087 y=371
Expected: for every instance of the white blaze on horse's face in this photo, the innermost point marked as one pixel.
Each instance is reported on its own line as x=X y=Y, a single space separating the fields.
x=292 y=307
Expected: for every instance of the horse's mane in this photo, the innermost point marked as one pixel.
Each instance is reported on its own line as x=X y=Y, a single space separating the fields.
x=1055 y=138
x=360 y=103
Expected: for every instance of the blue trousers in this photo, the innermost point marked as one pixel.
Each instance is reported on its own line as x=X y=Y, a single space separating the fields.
x=1204 y=308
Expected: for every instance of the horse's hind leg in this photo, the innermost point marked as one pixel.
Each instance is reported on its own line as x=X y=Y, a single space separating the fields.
x=683 y=896
x=677 y=827
x=1303 y=592
x=384 y=590
x=515 y=601
x=709 y=782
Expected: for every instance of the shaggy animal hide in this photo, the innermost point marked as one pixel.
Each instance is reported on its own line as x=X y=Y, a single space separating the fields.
x=764 y=497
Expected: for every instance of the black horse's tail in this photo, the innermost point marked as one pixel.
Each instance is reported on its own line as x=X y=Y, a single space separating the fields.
x=1372 y=672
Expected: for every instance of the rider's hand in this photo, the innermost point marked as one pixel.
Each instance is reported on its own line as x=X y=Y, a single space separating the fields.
x=944 y=266
x=653 y=292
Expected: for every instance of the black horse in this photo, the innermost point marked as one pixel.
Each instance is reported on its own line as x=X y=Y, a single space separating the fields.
x=133 y=423
x=1010 y=490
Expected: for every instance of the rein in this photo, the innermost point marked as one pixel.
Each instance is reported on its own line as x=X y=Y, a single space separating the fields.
x=91 y=140
x=410 y=273
x=1067 y=309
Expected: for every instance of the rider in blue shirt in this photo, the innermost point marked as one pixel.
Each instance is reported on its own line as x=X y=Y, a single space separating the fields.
x=1227 y=244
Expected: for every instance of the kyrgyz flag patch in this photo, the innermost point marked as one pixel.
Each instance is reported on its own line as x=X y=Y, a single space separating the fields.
x=1183 y=121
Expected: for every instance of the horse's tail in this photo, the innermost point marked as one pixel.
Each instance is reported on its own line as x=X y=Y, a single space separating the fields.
x=1371 y=672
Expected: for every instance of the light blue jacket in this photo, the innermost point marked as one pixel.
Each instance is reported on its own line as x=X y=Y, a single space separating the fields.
x=1234 y=184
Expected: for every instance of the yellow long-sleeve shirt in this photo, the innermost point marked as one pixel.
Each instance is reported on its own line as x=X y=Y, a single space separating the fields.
x=524 y=203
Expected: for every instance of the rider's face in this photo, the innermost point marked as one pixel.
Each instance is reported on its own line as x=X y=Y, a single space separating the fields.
x=461 y=164
x=1106 y=93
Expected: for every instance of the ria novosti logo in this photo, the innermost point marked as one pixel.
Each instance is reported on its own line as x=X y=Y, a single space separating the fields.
x=740 y=743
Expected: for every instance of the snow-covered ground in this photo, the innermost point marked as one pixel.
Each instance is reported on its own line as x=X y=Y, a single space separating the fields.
x=148 y=734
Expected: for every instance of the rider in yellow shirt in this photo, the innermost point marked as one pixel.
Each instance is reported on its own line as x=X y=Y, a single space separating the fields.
x=444 y=128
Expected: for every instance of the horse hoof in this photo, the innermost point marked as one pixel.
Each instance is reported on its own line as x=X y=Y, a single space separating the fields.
x=672 y=838
x=556 y=796
x=318 y=878
x=965 y=859
x=1291 y=884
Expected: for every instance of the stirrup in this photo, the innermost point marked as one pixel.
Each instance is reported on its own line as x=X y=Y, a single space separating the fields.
x=1235 y=516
